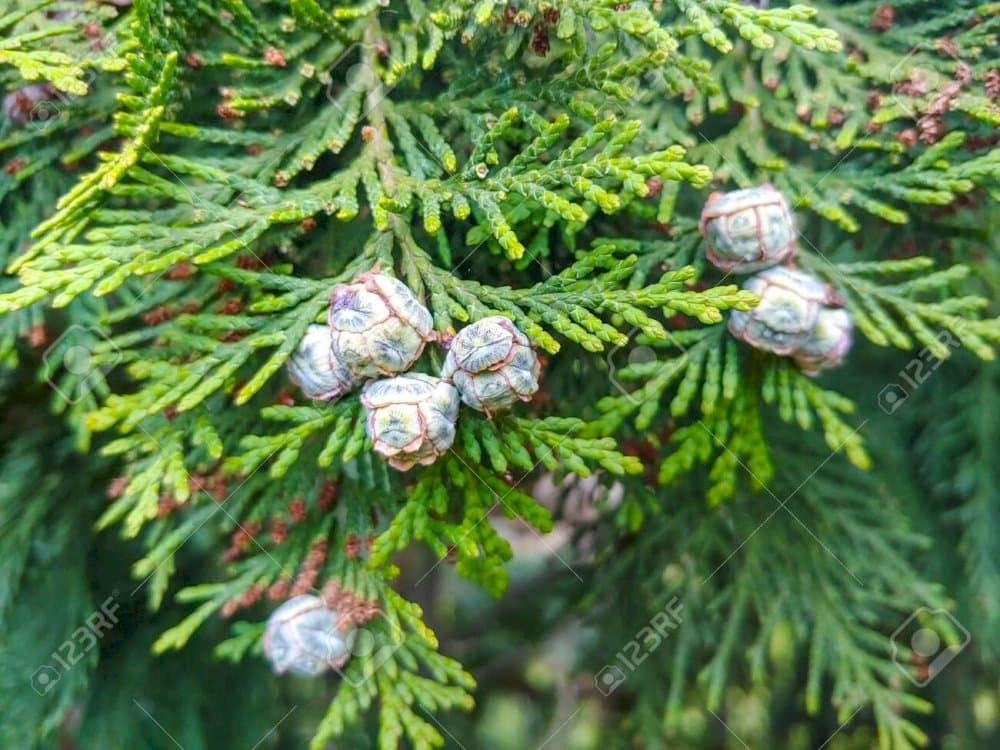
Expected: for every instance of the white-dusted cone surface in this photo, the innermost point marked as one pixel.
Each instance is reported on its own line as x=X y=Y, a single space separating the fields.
x=411 y=418
x=748 y=230
x=379 y=327
x=828 y=343
x=305 y=637
x=492 y=364
x=314 y=369
x=790 y=302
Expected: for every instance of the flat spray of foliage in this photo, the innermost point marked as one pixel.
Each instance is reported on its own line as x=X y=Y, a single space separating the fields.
x=204 y=174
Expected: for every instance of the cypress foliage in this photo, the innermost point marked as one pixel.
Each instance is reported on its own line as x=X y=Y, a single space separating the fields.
x=741 y=544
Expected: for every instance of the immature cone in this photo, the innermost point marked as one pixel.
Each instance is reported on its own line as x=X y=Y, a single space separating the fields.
x=828 y=342
x=492 y=364
x=748 y=230
x=315 y=370
x=790 y=302
x=411 y=418
x=304 y=637
x=379 y=327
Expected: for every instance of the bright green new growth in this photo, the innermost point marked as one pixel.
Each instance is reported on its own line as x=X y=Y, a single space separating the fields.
x=233 y=161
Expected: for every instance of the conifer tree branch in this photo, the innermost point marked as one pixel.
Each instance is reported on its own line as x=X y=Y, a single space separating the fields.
x=215 y=171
